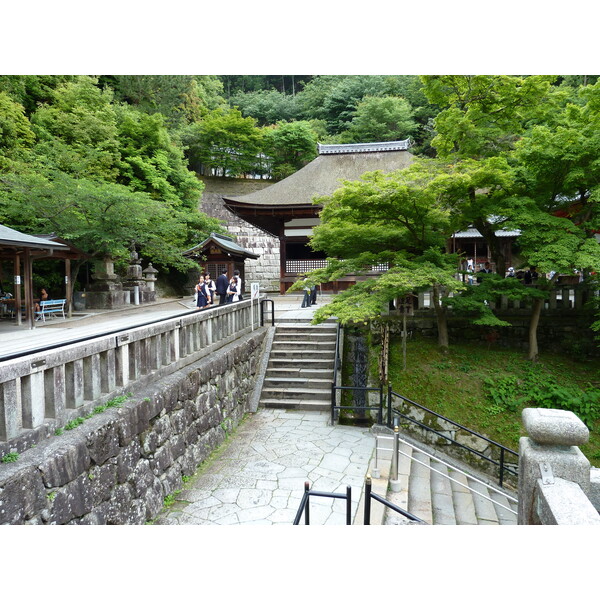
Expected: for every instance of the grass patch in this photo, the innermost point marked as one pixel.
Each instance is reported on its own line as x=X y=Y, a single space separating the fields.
x=486 y=389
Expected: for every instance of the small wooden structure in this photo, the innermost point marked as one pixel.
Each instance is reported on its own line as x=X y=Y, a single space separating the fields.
x=219 y=252
x=21 y=249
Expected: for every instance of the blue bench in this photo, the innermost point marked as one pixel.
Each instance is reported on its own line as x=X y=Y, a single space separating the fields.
x=50 y=308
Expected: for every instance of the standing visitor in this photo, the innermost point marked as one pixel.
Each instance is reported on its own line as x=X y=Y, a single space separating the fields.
x=240 y=286
x=202 y=294
x=212 y=288
x=233 y=293
x=221 y=287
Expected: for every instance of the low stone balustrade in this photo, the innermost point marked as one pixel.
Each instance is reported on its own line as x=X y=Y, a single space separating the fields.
x=42 y=392
x=555 y=479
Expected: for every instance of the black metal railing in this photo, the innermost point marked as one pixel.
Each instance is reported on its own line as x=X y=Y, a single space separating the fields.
x=337 y=407
x=370 y=495
x=503 y=451
x=305 y=503
x=262 y=311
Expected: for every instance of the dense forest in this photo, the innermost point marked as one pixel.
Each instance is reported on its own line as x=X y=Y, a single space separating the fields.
x=104 y=160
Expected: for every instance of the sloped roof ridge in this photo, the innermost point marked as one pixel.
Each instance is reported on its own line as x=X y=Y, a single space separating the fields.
x=365 y=147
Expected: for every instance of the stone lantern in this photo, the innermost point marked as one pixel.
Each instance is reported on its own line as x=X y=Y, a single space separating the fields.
x=150 y=276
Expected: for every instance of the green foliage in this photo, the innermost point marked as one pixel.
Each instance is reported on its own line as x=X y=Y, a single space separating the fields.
x=380 y=119
x=290 y=146
x=483 y=115
x=225 y=141
x=10 y=457
x=535 y=387
x=267 y=106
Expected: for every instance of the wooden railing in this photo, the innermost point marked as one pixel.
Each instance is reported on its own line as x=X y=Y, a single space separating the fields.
x=43 y=391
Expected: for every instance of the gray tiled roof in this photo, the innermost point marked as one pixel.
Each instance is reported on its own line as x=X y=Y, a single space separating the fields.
x=224 y=242
x=471 y=232
x=12 y=237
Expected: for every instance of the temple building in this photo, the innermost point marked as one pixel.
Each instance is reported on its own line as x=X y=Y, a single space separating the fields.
x=285 y=209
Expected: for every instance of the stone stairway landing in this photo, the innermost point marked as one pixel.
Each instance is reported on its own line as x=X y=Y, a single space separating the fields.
x=300 y=368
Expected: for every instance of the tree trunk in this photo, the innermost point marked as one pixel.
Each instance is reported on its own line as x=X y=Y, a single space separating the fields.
x=442 y=319
x=533 y=325
x=495 y=245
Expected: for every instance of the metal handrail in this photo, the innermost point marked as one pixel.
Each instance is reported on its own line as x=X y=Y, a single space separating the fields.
x=503 y=449
x=262 y=311
x=305 y=507
x=500 y=492
x=370 y=495
x=335 y=406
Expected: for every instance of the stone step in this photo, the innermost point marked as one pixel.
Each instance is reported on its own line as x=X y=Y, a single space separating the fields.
x=464 y=507
x=299 y=328
x=292 y=370
x=303 y=354
x=505 y=517
x=295 y=404
x=304 y=345
x=419 y=488
x=484 y=509
x=312 y=336
x=297 y=382
x=321 y=364
x=296 y=393
x=441 y=496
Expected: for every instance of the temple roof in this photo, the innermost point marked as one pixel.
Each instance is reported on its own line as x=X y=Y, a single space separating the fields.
x=224 y=242
x=323 y=175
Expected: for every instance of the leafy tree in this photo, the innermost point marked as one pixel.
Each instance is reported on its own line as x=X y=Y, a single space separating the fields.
x=101 y=218
x=483 y=115
x=15 y=129
x=290 y=146
x=266 y=106
x=402 y=215
x=225 y=141
x=180 y=99
x=152 y=162
x=381 y=119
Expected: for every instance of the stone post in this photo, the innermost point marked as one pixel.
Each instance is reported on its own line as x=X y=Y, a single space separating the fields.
x=550 y=451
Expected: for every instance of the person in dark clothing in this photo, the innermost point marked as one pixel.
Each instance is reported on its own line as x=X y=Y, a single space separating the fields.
x=531 y=276
x=222 y=285
x=485 y=269
x=313 y=295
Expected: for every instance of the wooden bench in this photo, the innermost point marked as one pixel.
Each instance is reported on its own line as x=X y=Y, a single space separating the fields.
x=50 y=308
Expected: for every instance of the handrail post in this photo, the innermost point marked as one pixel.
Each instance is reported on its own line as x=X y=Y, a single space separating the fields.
x=389 y=407
x=348 y=505
x=333 y=403
x=380 y=412
x=306 y=508
x=394 y=483
x=368 y=500
x=501 y=466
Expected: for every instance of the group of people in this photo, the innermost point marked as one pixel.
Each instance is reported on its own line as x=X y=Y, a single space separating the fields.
x=228 y=290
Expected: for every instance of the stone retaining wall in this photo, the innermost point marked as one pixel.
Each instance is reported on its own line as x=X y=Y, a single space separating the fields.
x=118 y=466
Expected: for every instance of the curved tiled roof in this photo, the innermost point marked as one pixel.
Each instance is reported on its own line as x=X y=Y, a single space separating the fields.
x=323 y=175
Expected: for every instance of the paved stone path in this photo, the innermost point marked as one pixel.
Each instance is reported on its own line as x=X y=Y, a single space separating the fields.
x=257 y=477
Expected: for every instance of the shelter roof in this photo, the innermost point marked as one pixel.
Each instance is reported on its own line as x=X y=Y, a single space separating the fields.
x=225 y=242
x=323 y=175
x=15 y=239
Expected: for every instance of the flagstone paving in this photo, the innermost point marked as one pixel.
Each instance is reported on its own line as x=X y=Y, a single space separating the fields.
x=258 y=476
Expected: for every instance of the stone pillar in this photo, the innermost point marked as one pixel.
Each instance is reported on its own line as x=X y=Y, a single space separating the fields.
x=551 y=448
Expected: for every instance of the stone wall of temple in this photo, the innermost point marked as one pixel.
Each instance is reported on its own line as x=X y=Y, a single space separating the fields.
x=265 y=270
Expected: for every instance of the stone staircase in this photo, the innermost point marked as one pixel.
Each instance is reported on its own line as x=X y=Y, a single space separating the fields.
x=300 y=368
x=426 y=491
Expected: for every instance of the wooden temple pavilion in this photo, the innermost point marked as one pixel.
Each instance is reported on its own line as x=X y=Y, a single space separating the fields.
x=22 y=249
x=219 y=252
x=286 y=210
